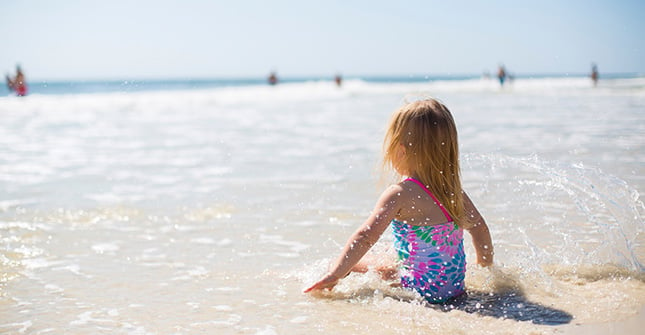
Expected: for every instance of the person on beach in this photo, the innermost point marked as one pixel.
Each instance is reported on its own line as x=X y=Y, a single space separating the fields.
x=18 y=84
x=428 y=210
x=338 y=79
x=501 y=75
x=594 y=74
x=273 y=79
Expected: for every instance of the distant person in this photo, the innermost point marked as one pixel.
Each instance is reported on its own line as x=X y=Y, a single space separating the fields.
x=339 y=80
x=594 y=74
x=428 y=210
x=501 y=75
x=273 y=79
x=18 y=84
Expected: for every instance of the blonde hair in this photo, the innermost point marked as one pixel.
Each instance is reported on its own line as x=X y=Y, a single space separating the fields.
x=427 y=131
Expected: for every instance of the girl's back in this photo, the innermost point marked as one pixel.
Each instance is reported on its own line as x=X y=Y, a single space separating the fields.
x=430 y=248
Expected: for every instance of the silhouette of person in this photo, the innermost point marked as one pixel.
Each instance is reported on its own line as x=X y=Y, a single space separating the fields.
x=594 y=74
x=339 y=80
x=501 y=75
x=273 y=79
x=18 y=84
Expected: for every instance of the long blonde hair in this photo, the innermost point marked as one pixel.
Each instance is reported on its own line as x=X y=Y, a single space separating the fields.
x=427 y=131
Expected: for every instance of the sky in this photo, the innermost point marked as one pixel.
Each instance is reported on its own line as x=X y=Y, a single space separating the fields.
x=186 y=39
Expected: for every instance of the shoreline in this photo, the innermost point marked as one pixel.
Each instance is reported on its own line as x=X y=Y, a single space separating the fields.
x=631 y=326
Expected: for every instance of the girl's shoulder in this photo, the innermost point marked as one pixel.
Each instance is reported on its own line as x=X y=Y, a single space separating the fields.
x=395 y=192
x=399 y=192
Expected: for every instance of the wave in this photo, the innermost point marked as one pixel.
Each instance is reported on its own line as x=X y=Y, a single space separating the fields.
x=356 y=85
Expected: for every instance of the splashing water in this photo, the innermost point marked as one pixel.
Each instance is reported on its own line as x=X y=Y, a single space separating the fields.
x=563 y=234
x=554 y=213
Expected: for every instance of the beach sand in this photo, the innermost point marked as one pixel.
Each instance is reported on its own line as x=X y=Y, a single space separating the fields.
x=634 y=325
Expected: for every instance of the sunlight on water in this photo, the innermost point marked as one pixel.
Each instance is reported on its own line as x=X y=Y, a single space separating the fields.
x=209 y=211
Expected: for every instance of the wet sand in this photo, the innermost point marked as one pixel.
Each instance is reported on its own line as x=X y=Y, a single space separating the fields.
x=634 y=325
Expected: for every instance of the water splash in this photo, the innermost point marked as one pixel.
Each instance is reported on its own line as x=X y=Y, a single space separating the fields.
x=545 y=212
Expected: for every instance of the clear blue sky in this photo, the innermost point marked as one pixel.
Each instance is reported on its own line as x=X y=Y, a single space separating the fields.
x=119 y=39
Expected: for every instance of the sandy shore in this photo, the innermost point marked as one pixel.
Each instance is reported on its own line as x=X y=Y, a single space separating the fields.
x=635 y=325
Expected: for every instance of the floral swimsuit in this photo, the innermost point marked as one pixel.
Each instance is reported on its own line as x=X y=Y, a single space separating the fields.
x=432 y=257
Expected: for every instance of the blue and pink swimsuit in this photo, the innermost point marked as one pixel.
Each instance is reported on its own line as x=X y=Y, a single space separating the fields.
x=432 y=258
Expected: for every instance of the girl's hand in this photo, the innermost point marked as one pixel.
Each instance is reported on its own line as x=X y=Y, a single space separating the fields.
x=485 y=263
x=327 y=282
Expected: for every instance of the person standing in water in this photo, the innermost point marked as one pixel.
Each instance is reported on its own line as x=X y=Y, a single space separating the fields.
x=273 y=79
x=501 y=75
x=594 y=74
x=338 y=79
x=18 y=84
x=428 y=210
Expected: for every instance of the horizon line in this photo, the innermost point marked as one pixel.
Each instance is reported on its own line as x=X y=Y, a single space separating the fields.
x=418 y=76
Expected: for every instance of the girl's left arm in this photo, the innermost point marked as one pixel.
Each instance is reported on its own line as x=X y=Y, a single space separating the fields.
x=480 y=233
x=363 y=238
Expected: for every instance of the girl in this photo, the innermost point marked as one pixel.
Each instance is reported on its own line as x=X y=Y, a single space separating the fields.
x=428 y=210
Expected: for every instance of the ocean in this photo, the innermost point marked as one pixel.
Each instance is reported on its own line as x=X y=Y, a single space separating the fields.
x=207 y=206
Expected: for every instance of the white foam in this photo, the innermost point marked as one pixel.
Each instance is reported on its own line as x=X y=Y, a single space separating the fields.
x=53 y=288
x=39 y=263
x=299 y=319
x=106 y=248
x=224 y=242
x=75 y=269
x=294 y=246
x=231 y=320
x=85 y=318
x=268 y=330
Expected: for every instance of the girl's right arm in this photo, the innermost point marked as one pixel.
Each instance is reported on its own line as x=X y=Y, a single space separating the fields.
x=481 y=235
x=363 y=238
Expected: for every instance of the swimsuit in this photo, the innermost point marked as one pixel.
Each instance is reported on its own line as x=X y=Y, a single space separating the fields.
x=19 y=87
x=21 y=90
x=432 y=258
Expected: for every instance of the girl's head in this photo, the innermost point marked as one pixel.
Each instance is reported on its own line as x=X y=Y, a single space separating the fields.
x=421 y=141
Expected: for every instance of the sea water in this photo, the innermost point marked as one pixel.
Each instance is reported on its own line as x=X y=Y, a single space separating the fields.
x=209 y=209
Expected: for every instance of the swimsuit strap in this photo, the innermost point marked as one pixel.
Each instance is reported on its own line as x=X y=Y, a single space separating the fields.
x=445 y=212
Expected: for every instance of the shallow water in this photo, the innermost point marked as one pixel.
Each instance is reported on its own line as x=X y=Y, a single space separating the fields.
x=208 y=211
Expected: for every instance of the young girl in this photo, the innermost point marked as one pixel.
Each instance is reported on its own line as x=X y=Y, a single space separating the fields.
x=428 y=210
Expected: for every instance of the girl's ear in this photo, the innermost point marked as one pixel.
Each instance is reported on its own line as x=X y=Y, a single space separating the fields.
x=403 y=148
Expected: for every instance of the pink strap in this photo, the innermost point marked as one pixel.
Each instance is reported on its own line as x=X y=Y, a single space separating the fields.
x=445 y=212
